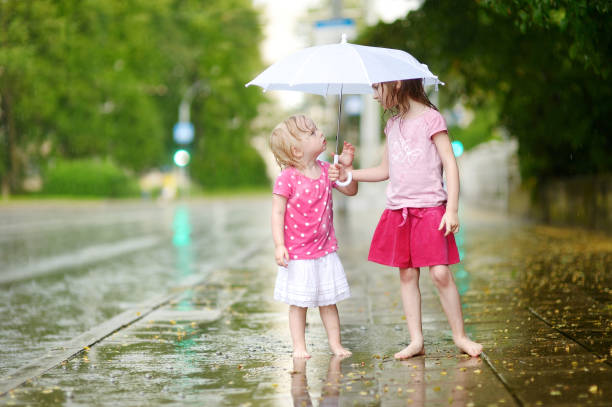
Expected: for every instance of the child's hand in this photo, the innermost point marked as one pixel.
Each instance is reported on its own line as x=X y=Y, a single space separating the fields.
x=336 y=172
x=348 y=154
x=281 y=255
x=450 y=220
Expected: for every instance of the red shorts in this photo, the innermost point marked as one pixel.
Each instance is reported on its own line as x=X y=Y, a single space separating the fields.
x=410 y=237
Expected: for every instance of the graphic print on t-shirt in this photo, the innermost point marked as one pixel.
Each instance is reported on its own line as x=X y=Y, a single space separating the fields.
x=400 y=152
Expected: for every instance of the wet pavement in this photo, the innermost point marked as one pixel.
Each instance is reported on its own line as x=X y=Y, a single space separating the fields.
x=537 y=297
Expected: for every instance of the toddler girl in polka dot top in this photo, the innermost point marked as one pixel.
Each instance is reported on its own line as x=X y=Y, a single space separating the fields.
x=310 y=273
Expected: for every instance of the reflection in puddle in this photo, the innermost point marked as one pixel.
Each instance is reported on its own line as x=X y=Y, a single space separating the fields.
x=418 y=381
x=181 y=240
x=331 y=388
x=425 y=385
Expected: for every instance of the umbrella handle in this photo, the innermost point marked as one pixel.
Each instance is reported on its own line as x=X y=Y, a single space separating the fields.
x=348 y=179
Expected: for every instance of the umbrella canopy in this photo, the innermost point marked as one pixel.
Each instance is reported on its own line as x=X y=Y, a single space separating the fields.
x=343 y=68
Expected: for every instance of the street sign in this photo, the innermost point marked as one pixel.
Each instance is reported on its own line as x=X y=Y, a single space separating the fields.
x=183 y=132
x=353 y=105
x=330 y=31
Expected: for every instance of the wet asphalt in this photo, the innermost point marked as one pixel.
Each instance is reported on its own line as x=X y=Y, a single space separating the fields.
x=537 y=297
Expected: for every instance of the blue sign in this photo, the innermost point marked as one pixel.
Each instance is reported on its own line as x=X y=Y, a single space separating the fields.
x=335 y=22
x=330 y=31
x=353 y=105
x=183 y=132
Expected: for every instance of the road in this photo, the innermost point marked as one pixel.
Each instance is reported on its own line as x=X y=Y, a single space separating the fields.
x=143 y=303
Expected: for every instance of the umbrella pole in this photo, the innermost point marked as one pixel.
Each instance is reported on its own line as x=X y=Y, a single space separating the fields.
x=350 y=174
x=339 y=115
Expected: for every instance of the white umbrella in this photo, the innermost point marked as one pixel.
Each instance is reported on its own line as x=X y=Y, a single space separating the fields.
x=343 y=68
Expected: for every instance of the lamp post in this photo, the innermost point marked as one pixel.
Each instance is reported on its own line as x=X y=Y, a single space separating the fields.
x=183 y=134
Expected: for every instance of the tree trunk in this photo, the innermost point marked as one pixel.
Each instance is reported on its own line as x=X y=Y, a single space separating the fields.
x=10 y=182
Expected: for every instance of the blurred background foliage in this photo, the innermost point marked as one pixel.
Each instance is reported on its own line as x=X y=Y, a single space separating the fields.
x=85 y=79
x=100 y=81
x=89 y=177
x=542 y=65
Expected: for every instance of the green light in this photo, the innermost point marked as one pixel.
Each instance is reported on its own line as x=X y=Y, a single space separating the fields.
x=457 y=148
x=181 y=158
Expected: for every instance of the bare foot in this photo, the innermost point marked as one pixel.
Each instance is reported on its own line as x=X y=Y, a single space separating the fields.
x=414 y=349
x=301 y=353
x=340 y=351
x=468 y=346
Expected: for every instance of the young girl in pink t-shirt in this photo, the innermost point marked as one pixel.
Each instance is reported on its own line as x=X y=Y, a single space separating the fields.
x=310 y=273
x=416 y=229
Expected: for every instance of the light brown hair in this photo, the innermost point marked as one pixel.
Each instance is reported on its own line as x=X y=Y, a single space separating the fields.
x=286 y=136
x=399 y=98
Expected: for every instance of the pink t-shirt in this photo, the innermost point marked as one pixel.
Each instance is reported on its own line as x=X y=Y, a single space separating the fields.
x=309 y=219
x=415 y=167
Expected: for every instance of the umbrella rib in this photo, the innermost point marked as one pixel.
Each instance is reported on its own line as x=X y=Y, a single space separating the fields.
x=365 y=71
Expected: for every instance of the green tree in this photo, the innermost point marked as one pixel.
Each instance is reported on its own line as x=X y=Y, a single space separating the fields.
x=555 y=107
x=105 y=78
x=587 y=24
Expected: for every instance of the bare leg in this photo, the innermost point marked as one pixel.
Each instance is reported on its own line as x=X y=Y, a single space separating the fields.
x=331 y=321
x=297 y=326
x=411 y=301
x=451 y=303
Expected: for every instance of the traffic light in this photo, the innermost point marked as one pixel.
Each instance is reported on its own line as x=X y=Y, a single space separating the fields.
x=182 y=157
x=457 y=148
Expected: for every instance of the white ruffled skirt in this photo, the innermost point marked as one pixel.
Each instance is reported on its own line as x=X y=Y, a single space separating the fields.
x=312 y=283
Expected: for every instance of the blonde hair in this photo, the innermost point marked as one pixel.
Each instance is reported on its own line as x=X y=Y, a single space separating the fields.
x=286 y=135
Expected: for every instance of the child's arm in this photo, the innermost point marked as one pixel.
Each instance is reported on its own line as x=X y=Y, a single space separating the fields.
x=450 y=220
x=279 y=205
x=374 y=174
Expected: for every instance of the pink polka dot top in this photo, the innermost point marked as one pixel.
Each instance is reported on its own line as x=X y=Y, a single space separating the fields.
x=309 y=218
